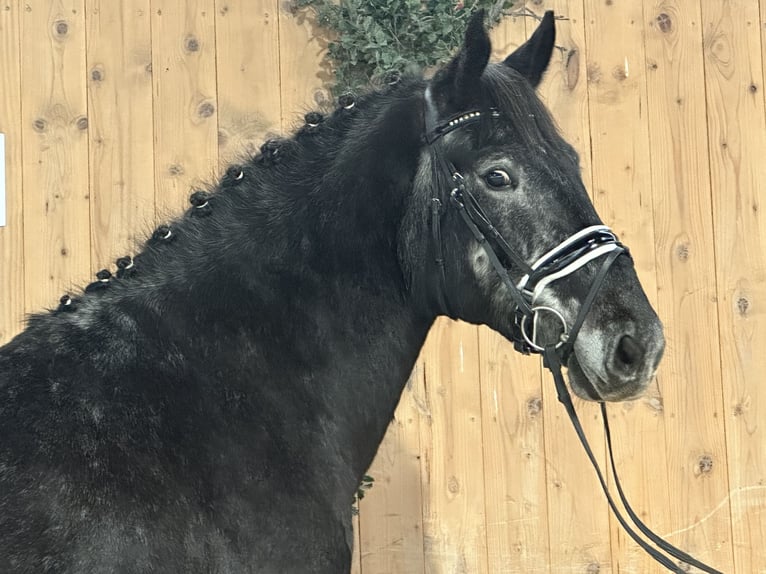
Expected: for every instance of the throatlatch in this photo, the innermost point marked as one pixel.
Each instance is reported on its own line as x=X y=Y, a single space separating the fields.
x=589 y=244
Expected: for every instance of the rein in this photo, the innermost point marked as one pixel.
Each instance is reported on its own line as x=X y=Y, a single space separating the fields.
x=587 y=245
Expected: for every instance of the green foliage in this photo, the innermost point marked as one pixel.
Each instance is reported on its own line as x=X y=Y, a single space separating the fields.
x=374 y=38
x=367 y=482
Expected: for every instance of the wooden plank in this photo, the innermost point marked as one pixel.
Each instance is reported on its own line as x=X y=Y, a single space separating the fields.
x=305 y=79
x=737 y=140
x=247 y=57
x=55 y=150
x=185 y=104
x=574 y=496
x=390 y=514
x=356 y=556
x=623 y=197
x=120 y=125
x=695 y=446
x=12 y=235
x=512 y=427
x=514 y=458
x=451 y=456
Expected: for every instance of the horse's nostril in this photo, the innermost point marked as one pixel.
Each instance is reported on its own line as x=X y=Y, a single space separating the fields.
x=629 y=351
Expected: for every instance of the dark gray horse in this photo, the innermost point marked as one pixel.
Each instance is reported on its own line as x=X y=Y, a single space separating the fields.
x=213 y=406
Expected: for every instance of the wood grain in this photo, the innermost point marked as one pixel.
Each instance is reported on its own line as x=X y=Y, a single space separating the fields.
x=304 y=72
x=622 y=190
x=12 y=235
x=55 y=150
x=120 y=125
x=185 y=100
x=737 y=136
x=248 y=72
x=390 y=515
x=451 y=452
x=687 y=302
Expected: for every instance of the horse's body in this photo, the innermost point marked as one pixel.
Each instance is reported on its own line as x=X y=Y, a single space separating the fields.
x=215 y=411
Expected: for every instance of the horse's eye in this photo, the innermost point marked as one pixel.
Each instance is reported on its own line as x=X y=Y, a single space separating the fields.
x=498 y=178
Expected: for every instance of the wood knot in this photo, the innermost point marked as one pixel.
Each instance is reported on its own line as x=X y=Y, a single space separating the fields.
x=453 y=485
x=664 y=22
x=205 y=110
x=40 y=125
x=704 y=465
x=320 y=97
x=224 y=10
x=97 y=74
x=593 y=568
x=572 y=68
x=619 y=73
x=656 y=404
x=61 y=28
x=191 y=44
x=594 y=73
x=743 y=304
x=752 y=88
x=682 y=252
x=175 y=169
x=82 y=123
x=534 y=406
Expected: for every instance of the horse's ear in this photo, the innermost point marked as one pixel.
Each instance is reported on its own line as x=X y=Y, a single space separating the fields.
x=457 y=83
x=532 y=57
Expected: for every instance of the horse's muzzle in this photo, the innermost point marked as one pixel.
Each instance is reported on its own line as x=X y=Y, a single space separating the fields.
x=629 y=364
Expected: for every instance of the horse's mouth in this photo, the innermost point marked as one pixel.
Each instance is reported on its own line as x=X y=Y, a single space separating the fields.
x=583 y=385
x=591 y=387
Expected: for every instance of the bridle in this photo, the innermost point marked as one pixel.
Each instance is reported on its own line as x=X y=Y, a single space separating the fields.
x=592 y=243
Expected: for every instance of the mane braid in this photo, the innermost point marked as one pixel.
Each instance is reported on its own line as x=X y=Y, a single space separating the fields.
x=289 y=177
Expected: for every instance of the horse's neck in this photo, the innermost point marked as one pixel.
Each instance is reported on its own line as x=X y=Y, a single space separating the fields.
x=329 y=345
x=313 y=310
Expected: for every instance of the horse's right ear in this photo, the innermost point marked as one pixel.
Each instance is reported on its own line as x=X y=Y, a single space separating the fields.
x=532 y=57
x=456 y=85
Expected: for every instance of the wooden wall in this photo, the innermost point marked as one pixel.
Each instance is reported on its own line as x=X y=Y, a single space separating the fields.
x=114 y=109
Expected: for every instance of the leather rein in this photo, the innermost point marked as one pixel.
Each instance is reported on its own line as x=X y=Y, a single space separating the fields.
x=591 y=243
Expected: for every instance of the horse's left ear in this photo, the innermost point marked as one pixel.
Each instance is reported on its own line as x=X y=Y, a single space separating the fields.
x=532 y=57
x=458 y=82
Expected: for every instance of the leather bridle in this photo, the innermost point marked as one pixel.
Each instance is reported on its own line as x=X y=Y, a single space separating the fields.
x=587 y=245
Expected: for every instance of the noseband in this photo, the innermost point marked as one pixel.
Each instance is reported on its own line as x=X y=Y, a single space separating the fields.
x=574 y=252
x=567 y=257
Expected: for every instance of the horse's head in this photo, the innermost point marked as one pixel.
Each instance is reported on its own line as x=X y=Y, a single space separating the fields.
x=517 y=175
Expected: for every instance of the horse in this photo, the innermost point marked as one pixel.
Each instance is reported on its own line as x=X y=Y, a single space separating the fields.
x=213 y=406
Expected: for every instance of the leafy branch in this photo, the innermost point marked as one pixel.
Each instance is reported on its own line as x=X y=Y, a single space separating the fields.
x=375 y=40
